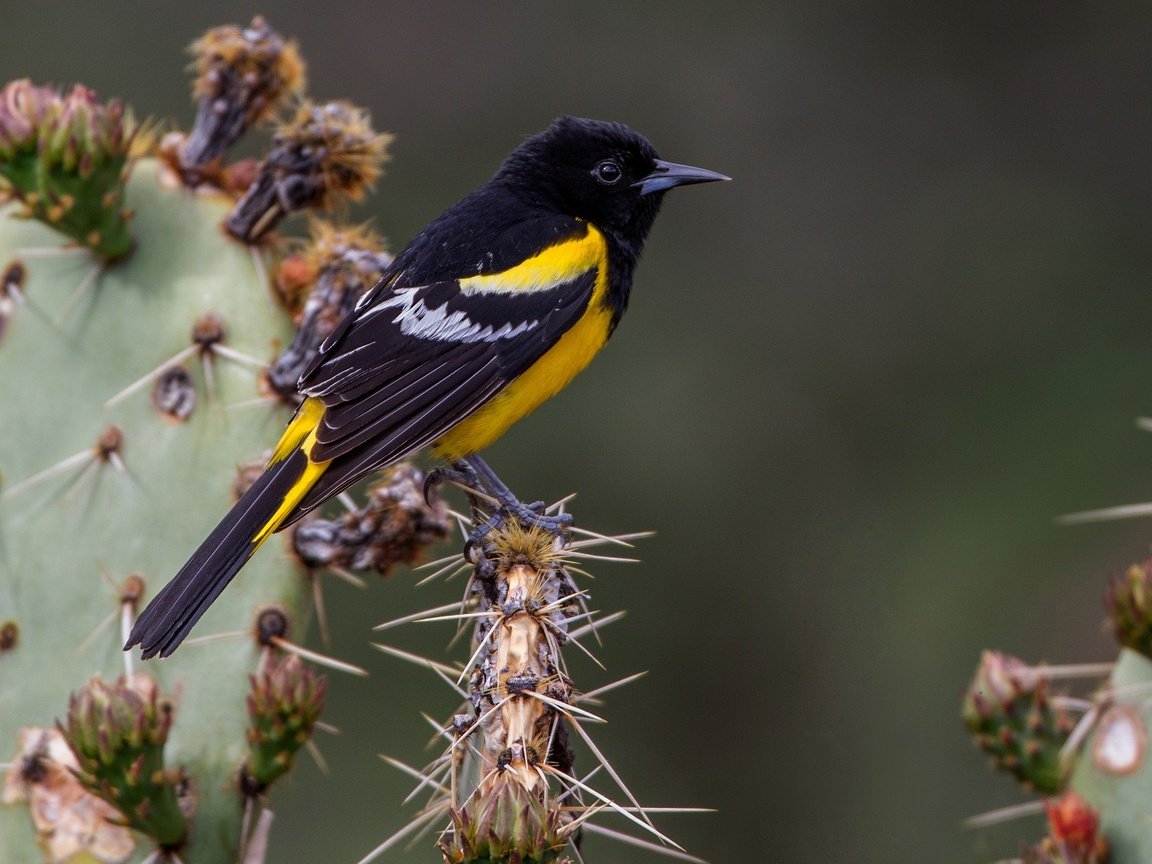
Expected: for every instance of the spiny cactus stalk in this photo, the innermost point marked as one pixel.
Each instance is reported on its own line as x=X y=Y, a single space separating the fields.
x=133 y=358
x=509 y=789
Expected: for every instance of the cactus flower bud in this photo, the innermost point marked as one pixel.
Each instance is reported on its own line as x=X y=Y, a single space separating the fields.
x=117 y=732
x=284 y=704
x=1129 y=601
x=1008 y=713
x=65 y=158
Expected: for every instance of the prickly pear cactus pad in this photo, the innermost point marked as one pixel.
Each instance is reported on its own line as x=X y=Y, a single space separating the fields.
x=136 y=336
x=1087 y=755
x=93 y=491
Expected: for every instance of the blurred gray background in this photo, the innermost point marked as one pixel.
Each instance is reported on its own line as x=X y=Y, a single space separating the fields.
x=854 y=388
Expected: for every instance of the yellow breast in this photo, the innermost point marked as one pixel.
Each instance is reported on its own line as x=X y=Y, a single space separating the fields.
x=552 y=372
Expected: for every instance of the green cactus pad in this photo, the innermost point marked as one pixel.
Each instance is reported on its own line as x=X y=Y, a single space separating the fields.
x=141 y=500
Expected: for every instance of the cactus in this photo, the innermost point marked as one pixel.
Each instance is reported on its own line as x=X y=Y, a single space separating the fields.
x=135 y=335
x=507 y=787
x=1008 y=712
x=1099 y=765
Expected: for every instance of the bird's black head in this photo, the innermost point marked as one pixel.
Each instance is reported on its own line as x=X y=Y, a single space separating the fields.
x=602 y=172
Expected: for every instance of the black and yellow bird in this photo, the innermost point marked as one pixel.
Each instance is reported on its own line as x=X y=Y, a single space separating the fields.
x=489 y=311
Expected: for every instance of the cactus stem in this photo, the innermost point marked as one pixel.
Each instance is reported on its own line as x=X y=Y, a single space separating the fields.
x=83 y=647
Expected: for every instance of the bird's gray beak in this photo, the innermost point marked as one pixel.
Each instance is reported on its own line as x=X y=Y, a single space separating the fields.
x=668 y=174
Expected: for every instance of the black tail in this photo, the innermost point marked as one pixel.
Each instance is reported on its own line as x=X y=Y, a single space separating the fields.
x=172 y=613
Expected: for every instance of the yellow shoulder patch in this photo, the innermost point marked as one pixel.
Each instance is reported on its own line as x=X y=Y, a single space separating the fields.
x=547 y=269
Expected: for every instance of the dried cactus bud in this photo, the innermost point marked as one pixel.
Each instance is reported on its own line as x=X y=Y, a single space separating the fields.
x=1008 y=713
x=117 y=732
x=508 y=823
x=243 y=77
x=71 y=823
x=344 y=263
x=1129 y=601
x=283 y=705
x=324 y=155
x=395 y=526
x=65 y=158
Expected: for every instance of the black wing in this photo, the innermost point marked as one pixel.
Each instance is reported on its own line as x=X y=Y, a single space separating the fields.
x=412 y=362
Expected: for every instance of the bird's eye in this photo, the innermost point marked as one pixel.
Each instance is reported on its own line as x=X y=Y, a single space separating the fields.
x=608 y=172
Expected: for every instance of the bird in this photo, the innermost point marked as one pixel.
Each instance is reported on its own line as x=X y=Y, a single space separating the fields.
x=488 y=312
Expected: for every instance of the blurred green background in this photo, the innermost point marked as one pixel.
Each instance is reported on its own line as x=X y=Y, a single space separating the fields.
x=854 y=388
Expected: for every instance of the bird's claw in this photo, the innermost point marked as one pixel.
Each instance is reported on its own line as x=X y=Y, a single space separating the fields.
x=458 y=474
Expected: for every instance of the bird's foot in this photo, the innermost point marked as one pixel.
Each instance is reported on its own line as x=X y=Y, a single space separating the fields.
x=530 y=516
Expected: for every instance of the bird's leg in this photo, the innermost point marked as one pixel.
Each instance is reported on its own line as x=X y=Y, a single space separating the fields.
x=509 y=506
